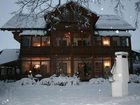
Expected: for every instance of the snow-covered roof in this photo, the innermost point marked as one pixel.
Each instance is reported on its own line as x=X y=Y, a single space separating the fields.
x=136 y=50
x=112 y=22
x=9 y=55
x=33 y=32
x=114 y=33
x=25 y=21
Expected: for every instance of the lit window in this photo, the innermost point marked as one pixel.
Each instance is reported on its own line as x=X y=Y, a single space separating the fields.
x=106 y=41
x=107 y=62
x=45 y=41
x=36 y=42
x=37 y=66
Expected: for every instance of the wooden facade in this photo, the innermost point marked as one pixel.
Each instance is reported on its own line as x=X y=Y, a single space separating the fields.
x=71 y=45
x=70 y=59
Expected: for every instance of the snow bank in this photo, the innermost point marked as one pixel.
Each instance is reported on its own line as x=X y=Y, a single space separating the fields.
x=134 y=78
x=26 y=81
x=97 y=80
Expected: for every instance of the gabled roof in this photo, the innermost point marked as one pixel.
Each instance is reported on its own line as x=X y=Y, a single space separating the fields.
x=9 y=55
x=28 y=22
x=112 y=22
x=25 y=22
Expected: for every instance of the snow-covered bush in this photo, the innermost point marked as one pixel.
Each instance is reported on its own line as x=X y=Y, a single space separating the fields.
x=61 y=81
x=73 y=80
x=26 y=81
x=38 y=75
x=97 y=80
x=46 y=81
x=134 y=78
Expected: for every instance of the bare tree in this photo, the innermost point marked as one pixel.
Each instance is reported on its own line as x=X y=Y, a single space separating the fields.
x=44 y=6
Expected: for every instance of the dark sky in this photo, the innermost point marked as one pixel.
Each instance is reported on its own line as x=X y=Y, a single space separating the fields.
x=8 y=6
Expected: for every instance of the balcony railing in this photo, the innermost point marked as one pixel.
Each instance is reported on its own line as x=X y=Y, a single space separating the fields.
x=71 y=50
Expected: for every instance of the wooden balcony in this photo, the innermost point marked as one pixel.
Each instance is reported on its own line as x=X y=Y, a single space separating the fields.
x=71 y=50
x=34 y=51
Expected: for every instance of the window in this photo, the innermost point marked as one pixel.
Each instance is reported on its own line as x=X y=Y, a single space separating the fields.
x=97 y=41
x=107 y=62
x=63 y=43
x=44 y=67
x=36 y=65
x=39 y=41
x=82 y=43
x=107 y=67
x=116 y=41
x=61 y=68
x=124 y=41
x=26 y=66
x=26 y=41
x=45 y=41
x=36 y=42
x=106 y=41
x=98 y=64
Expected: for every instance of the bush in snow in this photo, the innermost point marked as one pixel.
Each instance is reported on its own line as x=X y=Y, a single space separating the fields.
x=46 y=81
x=97 y=80
x=134 y=78
x=26 y=81
x=61 y=81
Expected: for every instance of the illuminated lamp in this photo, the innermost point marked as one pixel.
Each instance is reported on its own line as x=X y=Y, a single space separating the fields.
x=30 y=71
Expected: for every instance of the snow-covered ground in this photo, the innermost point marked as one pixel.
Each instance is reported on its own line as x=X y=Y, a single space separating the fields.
x=95 y=92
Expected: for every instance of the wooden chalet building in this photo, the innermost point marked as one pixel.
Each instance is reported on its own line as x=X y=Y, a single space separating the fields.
x=70 y=39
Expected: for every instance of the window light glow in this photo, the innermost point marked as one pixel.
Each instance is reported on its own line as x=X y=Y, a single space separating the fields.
x=107 y=64
x=37 y=66
x=38 y=45
x=106 y=42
